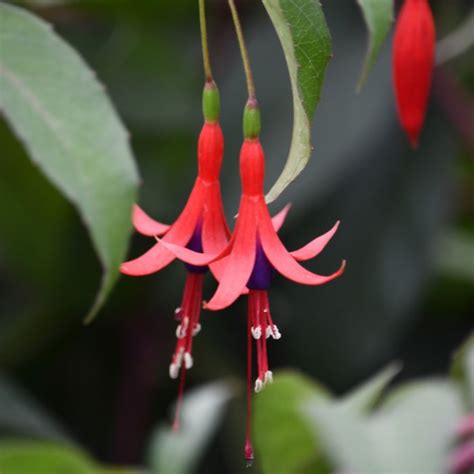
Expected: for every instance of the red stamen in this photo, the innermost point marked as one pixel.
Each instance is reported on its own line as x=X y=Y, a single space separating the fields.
x=248 y=449
x=188 y=289
x=263 y=322
x=189 y=314
x=179 y=401
x=259 y=324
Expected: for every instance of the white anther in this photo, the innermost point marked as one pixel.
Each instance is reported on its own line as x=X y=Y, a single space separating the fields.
x=174 y=371
x=268 y=332
x=196 y=329
x=182 y=328
x=177 y=310
x=188 y=360
x=276 y=332
x=258 y=385
x=256 y=332
x=268 y=377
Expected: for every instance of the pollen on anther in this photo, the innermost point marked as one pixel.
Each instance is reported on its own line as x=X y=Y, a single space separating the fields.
x=258 y=385
x=257 y=332
x=174 y=371
x=188 y=360
x=197 y=329
x=268 y=377
x=273 y=332
x=180 y=332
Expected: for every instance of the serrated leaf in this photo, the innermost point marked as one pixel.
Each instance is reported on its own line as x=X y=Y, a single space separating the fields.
x=363 y=398
x=283 y=439
x=60 y=112
x=178 y=452
x=378 y=16
x=411 y=432
x=306 y=43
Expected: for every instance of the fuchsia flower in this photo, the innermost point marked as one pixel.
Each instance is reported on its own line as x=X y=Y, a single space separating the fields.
x=252 y=257
x=201 y=226
x=413 y=54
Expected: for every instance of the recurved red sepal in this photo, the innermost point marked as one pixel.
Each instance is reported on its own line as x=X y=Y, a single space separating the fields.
x=413 y=54
x=144 y=224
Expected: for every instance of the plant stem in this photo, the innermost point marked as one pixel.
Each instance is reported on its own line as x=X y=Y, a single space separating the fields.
x=205 y=47
x=243 y=50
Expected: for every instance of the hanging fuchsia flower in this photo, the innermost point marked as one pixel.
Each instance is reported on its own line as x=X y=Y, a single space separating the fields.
x=413 y=54
x=254 y=255
x=201 y=226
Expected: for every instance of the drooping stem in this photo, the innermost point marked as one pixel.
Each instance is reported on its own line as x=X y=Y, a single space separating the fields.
x=243 y=50
x=205 y=47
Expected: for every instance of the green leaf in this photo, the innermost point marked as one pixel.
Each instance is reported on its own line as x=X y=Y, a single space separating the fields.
x=283 y=438
x=378 y=16
x=39 y=457
x=463 y=369
x=306 y=42
x=60 y=112
x=178 y=452
x=21 y=457
x=411 y=432
x=364 y=397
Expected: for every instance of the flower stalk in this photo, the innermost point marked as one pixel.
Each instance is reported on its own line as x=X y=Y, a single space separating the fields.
x=204 y=42
x=243 y=50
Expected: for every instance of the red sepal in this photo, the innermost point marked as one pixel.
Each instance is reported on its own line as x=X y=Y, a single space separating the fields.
x=180 y=233
x=145 y=225
x=280 y=258
x=241 y=259
x=316 y=246
x=279 y=219
x=215 y=233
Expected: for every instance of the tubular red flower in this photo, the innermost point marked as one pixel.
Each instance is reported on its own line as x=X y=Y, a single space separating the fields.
x=200 y=226
x=252 y=257
x=413 y=54
x=204 y=207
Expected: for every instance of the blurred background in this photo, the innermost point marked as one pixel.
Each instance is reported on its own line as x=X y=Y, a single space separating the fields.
x=407 y=227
